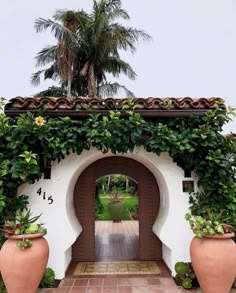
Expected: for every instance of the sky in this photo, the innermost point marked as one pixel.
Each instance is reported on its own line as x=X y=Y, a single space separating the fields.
x=192 y=52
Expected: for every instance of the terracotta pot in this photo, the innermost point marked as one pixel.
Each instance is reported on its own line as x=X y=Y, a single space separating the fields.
x=214 y=262
x=22 y=270
x=116 y=210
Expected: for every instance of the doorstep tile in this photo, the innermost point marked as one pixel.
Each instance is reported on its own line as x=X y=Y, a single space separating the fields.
x=78 y=290
x=138 y=282
x=153 y=281
x=169 y=282
x=172 y=290
x=58 y=290
x=124 y=281
x=111 y=289
x=124 y=289
x=110 y=282
x=95 y=282
x=158 y=289
x=81 y=282
x=140 y=289
x=66 y=283
x=94 y=289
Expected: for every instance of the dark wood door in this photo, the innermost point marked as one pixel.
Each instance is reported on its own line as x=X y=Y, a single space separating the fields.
x=150 y=246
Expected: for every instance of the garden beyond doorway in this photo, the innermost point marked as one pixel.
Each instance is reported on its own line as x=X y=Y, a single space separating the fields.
x=116 y=188
x=150 y=247
x=116 y=231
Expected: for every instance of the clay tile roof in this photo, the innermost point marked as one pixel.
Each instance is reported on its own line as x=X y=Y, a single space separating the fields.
x=233 y=135
x=81 y=106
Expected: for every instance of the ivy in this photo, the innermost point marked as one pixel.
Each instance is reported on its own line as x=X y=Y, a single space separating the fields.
x=194 y=143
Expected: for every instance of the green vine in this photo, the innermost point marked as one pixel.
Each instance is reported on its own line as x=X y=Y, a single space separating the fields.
x=195 y=143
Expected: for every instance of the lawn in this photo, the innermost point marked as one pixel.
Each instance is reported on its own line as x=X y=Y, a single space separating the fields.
x=129 y=203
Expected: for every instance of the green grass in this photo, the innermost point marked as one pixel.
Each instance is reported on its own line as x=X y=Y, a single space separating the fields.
x=129 y=203
x=108 y=194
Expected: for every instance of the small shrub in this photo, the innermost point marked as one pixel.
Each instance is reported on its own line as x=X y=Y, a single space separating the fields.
x=48 y=279
x=185 y=276
x=234 y=284
x=134 y=212
x=131 y=190
x=2 y=286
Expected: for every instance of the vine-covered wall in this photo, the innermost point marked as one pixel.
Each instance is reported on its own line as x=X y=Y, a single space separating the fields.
x=29 y=143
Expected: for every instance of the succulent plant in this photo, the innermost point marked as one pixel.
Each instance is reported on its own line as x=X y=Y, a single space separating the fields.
x=210 y=224
x=185 y=276
x=23 y=224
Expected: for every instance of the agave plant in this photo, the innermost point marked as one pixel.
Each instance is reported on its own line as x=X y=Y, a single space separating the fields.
x=24 y=224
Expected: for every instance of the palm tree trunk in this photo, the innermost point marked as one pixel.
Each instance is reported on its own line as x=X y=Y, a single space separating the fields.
x=69 y=80
x=126 y=183
x=91 y=81
x=108 y=183
x=84 y=70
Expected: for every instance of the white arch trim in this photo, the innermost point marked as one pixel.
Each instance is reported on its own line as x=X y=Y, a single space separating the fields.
x=64 y=228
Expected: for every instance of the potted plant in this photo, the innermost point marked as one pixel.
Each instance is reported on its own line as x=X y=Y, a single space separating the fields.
x=213 y=252
x=116 y=206
x=24 y=255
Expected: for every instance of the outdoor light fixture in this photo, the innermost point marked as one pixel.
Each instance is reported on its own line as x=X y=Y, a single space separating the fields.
x=188 y=186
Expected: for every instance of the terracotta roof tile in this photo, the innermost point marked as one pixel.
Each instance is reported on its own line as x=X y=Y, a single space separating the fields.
x=81 y=106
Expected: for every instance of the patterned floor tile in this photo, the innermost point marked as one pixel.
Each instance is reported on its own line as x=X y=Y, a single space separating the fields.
x=116 y=268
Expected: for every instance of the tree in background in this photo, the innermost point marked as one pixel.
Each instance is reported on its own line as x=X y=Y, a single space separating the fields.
x=88 y=48
x=122 y=183
x=63 y=56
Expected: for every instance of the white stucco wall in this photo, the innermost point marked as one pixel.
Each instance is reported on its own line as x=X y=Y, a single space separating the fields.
x=64 y=228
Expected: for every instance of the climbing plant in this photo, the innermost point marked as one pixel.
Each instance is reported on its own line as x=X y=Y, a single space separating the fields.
x=29 y=143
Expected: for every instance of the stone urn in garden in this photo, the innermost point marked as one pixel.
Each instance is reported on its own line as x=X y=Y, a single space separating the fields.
x=213 y=253
x=116 y=207
x=24 y=255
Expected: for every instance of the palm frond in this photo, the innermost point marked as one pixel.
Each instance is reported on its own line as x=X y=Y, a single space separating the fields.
x=109 y=89
x=60 y=32
x=35 y=77
x=53 y=91
x=100 y=24
x=115 y=66
x=46 y=55
x=49 y=73
x=118 y=13
x=126 y=37
x=52 y=73
x=59 y=15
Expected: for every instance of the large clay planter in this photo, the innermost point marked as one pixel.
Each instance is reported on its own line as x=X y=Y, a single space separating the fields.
x=116 y=210
x=22 y=270
x=214 y=262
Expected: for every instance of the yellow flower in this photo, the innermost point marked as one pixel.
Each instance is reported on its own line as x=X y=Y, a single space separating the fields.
x=39 y=121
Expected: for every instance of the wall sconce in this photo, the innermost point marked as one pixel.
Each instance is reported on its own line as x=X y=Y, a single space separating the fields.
x=188 y=186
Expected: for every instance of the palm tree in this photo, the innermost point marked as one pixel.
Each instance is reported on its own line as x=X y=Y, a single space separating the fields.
x=64 y=53
x=103 y=37
x=94 y=41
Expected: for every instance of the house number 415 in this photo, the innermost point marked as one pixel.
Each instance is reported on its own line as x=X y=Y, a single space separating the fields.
x=49 y=198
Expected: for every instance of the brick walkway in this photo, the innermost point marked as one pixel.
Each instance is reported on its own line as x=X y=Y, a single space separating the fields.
x=119 y=285
x=116 y=285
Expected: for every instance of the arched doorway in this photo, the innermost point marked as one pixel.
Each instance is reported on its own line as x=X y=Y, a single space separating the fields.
x=150 y=246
